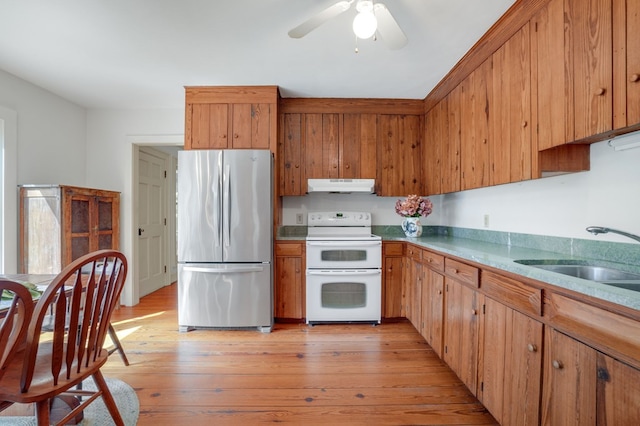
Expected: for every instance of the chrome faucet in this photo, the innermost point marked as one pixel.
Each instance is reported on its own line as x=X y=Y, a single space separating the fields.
x=595 y=230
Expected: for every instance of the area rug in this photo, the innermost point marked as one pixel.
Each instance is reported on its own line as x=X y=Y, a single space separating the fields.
x=96 y=414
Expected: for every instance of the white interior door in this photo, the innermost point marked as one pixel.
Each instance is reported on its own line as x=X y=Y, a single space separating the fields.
x=152 y=220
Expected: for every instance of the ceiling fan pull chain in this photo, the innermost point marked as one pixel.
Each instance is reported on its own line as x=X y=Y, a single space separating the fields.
x=356 y=50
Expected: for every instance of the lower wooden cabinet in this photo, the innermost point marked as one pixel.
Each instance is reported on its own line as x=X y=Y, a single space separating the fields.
x=511 y=367
x=530 y=355
x=392 y=279
x=432 y=308
x=461 y=331
x=585 y=387
x=289 y=295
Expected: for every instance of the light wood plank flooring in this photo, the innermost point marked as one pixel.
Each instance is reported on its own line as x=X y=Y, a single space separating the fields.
x=300 y=375
x=326 y=374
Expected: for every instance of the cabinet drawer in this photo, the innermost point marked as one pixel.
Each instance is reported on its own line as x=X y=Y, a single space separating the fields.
x=433 y=261
x=614 y=334
x=392 y=249
x=513 y=293
x=413 y=252
x=461 y=272
x=288 y=249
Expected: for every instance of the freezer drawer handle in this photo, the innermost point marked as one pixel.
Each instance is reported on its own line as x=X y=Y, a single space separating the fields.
x=228 y=270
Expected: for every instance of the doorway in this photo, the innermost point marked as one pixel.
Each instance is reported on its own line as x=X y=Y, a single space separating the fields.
x=154 y=215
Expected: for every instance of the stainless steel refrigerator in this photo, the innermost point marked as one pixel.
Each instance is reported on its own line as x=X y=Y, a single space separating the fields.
x=225 y=239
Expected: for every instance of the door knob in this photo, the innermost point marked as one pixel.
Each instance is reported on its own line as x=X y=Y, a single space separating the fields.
x=140 y=231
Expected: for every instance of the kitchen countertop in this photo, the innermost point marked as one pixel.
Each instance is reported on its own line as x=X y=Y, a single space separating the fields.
x=496 y=249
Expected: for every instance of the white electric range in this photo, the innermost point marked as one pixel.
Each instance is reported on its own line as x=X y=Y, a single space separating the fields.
x=344 y=268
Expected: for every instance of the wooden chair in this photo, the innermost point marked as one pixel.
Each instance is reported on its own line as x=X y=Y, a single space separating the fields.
x=14 y=323
x=81 y=298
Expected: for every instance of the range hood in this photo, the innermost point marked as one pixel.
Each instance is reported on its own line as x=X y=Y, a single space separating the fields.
x=365 y=186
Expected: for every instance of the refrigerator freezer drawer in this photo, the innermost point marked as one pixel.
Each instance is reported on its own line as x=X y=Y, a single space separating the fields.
x=225 y=296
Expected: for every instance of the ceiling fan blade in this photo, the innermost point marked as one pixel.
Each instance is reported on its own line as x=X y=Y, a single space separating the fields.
x=315 y=21
x=388 y=28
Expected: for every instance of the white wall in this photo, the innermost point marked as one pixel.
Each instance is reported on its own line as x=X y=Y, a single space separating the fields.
x=607 y=195
x=111 y=136
x=49 y=139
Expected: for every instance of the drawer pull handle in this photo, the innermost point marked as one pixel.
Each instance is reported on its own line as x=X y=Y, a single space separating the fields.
x=557 y=364
x=532 y=348
x=474 y=312
x=634 y=78
x=600 y=91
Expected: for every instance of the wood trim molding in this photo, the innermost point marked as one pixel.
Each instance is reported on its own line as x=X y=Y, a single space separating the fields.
x=351 y=105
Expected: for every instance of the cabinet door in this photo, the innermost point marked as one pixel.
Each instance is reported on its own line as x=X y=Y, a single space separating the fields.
x=451 y=161
x=90 y=222
x=509 y=130
x=288 y=288
x=250 y=126
x=618 y=392
x=511 y=365
x=436 y=138
x=569 y=391
x=573 y=45
x=432 y=308
x=553 y=116
x=393 y=283
x=321 y=137
x=209 y=126
x=358 y=146
x=474 y=136
x=415 y=297
x=626 y=63
x=291 y=155
x=461 y=332
x=106 y=225
x=400 y=154
x=590 y=33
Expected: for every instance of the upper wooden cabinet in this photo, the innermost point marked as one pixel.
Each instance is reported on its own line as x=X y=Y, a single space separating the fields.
x=399 y=155
x=326 y=145
x=231 y=117
x=434 y=148
x=60 y=223
x=572 y=44
x=510 y=115
x=474 y=130
x=626 y=63
x=358 y=146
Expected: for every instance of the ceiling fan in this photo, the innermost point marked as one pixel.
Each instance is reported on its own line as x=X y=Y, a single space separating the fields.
x=372 y=18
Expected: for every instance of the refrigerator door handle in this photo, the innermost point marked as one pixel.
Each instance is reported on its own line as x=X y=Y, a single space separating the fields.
x=229 y=270
x=226 y=203
x=217 y=191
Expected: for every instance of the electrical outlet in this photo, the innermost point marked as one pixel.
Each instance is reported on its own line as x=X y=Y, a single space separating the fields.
x=299 y=219
x=486 y=220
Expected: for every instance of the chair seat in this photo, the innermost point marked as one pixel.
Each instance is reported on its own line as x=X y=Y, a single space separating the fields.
x=41 y=383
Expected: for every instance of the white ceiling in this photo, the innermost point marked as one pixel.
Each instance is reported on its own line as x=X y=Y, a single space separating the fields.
x=141 y=53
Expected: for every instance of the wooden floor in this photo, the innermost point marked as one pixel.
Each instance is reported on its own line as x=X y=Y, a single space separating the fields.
x=326 y=374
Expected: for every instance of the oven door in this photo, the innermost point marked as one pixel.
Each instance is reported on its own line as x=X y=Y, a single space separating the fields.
x=344 y=254
x=343 y=295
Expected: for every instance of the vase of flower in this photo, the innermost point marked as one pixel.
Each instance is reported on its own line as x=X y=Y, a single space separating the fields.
x=412 y=227
x=412 y=209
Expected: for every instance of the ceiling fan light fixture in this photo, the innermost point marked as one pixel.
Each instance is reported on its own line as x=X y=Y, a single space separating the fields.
x=365 y=24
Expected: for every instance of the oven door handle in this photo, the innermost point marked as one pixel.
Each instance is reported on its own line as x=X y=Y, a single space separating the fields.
x=344 y=243
x=349 y=272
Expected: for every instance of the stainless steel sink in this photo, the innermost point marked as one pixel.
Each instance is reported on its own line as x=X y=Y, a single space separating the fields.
x=601 y=274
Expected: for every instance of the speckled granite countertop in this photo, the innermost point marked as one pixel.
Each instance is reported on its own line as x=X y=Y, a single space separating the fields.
x=501 y=250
